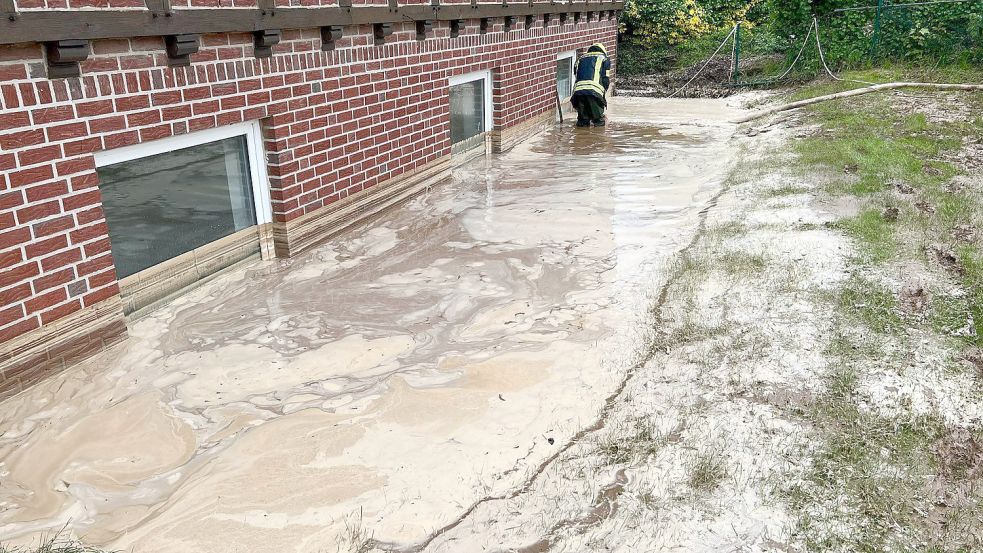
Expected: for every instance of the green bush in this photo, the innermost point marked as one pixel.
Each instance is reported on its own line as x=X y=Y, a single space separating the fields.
x=950 y=33
x=659 y=35
x=671 y=22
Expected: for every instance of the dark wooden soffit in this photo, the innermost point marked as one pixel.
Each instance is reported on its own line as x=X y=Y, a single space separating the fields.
x=7 y=9
x=161 y=20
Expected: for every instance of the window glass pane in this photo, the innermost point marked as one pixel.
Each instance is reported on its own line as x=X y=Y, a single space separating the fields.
x=467 y=110
x=161 y=206
x=564 y=77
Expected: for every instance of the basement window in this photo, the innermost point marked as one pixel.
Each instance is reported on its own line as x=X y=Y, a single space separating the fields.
x=182 y=208
x=564 y=74
x=470 y=107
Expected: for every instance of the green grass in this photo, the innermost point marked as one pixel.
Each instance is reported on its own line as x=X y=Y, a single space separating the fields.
x=726 y=230
x=954 y=209
x=632 y=442
x=916 y=123
x=687 y=331
x=874 y=146
x=872 y=158
x=740 y=263
x=887 y=73
x=54 y=544
x=706 y=472
x=871 y=305
x=972 y=261
x=785 y=190
x=949 y=314
x=876 y=468
x=874 y=234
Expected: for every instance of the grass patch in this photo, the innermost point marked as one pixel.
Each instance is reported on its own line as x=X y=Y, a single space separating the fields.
x=871 y=305
x=954 y=208
x=730 y=229
x=916 y=123
x=846 y=347
x=689 y=332
x=637 y=441
x=887 y=73
x=874 y=233
x=972 y=262
x=875 y=146
x=54 y=544
x=877 y=466
x=785 y=190
x=873 y=473
x=689 y=266
x=875 y=162
x=741 y=263
x=706 y=472
x=878 y=476
x=949 y=315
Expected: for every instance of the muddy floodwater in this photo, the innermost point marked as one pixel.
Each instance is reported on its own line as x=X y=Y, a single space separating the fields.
x=385 y=381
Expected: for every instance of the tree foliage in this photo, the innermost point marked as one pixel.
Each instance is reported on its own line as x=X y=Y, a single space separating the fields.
x=940 y=33
x=950 y=32
x=660 y=22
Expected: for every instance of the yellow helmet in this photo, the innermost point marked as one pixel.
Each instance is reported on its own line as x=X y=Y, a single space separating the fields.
x=598 y=47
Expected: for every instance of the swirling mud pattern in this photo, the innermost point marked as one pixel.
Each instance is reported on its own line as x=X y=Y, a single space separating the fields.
x=386 y=381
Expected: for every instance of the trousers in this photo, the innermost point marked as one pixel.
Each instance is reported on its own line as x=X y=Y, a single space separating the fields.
x=590 y=109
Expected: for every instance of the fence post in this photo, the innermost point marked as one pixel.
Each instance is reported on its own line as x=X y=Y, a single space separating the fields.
x=877 y=29
x=737 y=53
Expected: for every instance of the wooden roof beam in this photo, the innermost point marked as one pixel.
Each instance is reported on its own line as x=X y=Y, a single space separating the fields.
x=160 y=20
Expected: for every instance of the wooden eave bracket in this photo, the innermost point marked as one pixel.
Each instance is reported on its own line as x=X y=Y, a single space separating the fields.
x=509 y=21
x=179 y=49
x=64 y=56
x=330 y=36
x=264 y=41
x=380 y=31
x=266 y=7
x=423 y=28
x=159 y=8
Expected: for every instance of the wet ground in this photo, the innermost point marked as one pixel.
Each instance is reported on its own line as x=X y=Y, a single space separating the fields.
x=383 y=383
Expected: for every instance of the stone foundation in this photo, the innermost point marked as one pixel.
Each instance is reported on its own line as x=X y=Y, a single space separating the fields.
x=57 y=346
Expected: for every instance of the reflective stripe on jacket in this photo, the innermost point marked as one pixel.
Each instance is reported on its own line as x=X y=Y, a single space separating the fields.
x=592 y=74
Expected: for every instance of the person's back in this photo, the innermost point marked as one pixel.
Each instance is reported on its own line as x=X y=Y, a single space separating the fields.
x=591 y=86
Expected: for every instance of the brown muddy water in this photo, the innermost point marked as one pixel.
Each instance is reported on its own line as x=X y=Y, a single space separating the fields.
x=383 y=383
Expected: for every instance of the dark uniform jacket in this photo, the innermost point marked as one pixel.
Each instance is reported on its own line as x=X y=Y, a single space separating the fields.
x=592 y=74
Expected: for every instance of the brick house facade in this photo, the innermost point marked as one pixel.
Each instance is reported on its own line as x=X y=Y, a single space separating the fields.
x=345 y=129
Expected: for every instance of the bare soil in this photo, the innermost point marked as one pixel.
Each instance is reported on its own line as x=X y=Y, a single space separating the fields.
x=714 y=81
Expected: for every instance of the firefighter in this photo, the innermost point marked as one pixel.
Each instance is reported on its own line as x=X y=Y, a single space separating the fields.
x=592 y=86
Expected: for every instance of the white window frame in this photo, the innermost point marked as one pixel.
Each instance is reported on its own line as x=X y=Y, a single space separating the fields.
x=572 y=55
x=475 y=76
x=254 y=147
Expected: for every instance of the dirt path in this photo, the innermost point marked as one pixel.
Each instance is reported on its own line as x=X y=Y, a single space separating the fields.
x=381 y=386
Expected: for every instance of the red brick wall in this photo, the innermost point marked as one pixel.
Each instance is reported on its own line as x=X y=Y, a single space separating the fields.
x=335 y=123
